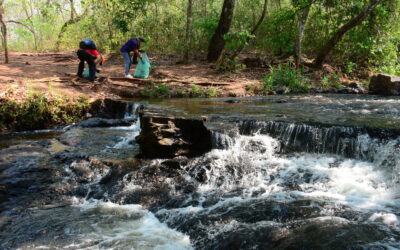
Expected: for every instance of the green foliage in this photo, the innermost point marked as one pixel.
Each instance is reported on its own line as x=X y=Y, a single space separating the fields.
x=279 y=32
x=180 y=92
x=331 y=81
x=212 y=92
x=374 y=44
x=289 y=78
x=237 y=39
x=161 y=90
x=145 y=92
x=228 y=65
x=196 y=91
x=39 y=111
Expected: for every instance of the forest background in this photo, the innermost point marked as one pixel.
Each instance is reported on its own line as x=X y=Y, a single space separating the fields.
x=178 y=26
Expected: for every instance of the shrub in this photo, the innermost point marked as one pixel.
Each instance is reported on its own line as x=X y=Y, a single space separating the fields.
x=161 y=90
x=284 y=76
x=212 y=92
x=39 y=112
x=196 y=91
x=331 y=81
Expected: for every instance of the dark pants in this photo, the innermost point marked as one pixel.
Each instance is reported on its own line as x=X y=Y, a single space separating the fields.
x=86 y=57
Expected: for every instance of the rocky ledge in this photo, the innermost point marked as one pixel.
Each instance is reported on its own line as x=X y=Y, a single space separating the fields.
x=385 y=85
x=168 y=137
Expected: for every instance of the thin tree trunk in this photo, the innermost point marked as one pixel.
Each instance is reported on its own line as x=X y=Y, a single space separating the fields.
x=253 y=32
x=302 y=24
x=32 y=27
x=65 y=27
x=217 y=42
x=4 y=31
x=188 y=30
x=72 y=9
x=342 y=31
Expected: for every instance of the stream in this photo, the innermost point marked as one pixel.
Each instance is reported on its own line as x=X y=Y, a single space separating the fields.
x=285 y=172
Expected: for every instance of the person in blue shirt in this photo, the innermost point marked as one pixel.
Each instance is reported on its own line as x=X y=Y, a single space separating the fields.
x=131 y=45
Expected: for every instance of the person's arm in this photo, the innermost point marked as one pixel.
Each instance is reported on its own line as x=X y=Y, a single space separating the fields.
x=137 y=53
x=98 y=59
x=97 y=56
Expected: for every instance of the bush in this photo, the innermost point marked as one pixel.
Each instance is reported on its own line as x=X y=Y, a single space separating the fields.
x=284 y=76
x=196 y=91
x=212 y=92
x=331 y=81
x=161 y=90
x=39 y=112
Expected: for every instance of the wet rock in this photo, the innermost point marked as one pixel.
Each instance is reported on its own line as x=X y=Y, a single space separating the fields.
x=26 y=176
x=357 y=86
x=175 y=163
x=109 y=108
x=164 y=137
x=232 y=101
x=315 y=91
x=332 y=233
x=103 y=123
x=384 y=85
x=281 y=90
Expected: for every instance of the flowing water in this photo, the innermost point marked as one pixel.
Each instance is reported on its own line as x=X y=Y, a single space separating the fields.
x=292 y=172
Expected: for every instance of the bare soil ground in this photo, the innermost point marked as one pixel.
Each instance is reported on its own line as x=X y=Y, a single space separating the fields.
x=45 y=72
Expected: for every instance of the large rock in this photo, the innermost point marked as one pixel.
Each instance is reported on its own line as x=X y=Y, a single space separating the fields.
x=111 y=109
x=384 y=85
x=166 y=137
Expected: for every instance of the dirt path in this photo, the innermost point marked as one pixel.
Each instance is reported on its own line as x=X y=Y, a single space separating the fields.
x=56 y=72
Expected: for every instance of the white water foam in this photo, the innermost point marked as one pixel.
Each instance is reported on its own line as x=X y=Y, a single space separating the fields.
x=110 y=225
x=129 y=138
x=253 y=164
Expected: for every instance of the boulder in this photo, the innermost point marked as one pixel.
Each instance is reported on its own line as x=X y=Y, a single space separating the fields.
x=166 y=137
x=384 y=85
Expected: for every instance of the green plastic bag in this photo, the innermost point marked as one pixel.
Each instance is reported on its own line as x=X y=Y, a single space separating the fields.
x=86 y=73
x=143 y=68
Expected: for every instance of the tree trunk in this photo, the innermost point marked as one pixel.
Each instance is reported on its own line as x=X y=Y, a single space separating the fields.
x=217 y=42
x=342 y=31
x=302 y=24
x=4 y=31
x=253 y=32
x=188 y=30
x=65 y=27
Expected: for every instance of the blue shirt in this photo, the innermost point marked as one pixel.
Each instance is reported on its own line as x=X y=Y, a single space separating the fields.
x=130 y=45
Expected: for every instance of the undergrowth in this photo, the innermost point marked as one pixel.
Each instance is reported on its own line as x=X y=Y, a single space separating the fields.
x=288 y=78
x=40 y=111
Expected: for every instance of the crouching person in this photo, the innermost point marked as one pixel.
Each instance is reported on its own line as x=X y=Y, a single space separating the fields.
x=88 y=53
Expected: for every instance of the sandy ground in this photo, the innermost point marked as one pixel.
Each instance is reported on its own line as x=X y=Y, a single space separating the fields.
x=56 y=72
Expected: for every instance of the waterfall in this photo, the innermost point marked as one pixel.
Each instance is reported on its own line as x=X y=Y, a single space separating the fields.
x=379 y=146
x=132 y=110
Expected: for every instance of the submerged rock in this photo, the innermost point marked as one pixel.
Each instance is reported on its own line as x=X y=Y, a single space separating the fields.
x=165 y=137
x=384 y=85
x=103 y=123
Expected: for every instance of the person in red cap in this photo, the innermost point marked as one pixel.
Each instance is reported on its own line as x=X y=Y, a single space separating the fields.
x=88 y=53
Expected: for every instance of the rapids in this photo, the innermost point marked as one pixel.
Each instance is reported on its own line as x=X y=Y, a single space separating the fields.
x=292 y=172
